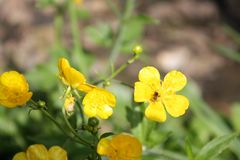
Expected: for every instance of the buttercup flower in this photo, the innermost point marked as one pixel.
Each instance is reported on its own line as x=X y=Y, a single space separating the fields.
x=14 y=89
x=99 y=102
x=40 y=152
x=120 y=147
x=161 y=95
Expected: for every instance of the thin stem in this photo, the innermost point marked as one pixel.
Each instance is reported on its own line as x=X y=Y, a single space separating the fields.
x=119 y=70
x=80 y=106
x=77 y=53
x=81 y=112
x=150 y=127
x=114 y=8
x=73 y=130
x=58 y=25
x=54 y=121
x=130 y=4
x=49 y=116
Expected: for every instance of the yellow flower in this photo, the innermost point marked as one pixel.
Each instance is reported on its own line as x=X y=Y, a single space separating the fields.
x=40 y=152
x=78 y=2
x=14 y=89
x=71 y=77
x=161 y=95
x=99 y=102
x=120 y=147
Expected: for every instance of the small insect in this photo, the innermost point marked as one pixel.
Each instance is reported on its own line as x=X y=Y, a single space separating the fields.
x=155 y=96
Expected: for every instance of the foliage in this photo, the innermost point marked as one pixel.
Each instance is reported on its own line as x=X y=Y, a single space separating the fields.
x=200 y=134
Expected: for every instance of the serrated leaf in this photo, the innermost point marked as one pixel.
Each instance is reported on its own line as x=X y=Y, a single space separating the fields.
x=215 y=147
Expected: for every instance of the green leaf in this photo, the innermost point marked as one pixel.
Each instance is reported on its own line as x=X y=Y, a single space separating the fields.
x=215 y=147
x=212 y=121
x=101 y=34
x=227 y=52
x=134 y=115
x=188 y=148
x=235 y=119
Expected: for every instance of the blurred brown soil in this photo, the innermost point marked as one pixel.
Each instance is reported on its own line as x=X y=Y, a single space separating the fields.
x=181 y=41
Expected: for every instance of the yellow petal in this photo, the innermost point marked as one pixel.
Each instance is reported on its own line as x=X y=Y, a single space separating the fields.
x=14 y=81
x=14 y=89
x=12 y=102
x=149 y=74
x=142 y=92
x=57 y=153
x=127 y=147
x=74 y=77
x=20 y=156
x=62 y=65
x=174 y=80
x=104 y=112
x=86 y=87
x=96 y=101
x=89 y=110
x=156 y=112
x=104 y=148
x=69 y=75
x=176 y=105
x=37 y=152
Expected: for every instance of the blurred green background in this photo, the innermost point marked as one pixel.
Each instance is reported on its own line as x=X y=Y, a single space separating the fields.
x=198 y=37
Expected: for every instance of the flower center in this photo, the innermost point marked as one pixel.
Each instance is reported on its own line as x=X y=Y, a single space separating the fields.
x=155 y=96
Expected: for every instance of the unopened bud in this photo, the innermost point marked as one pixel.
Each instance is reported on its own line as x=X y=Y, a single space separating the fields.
x=69 y=104
x=41 y=104
x=93 y=121
x=137 y=49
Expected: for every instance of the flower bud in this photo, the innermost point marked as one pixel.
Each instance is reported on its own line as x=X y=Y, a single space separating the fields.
x=69 y=104
x=41 y=104
x=137 y=49
x=93 y=121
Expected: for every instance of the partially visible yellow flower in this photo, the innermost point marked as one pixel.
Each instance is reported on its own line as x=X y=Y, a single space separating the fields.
x=99 y=102
x=78 y=2
x=120 y=147
x=14 y=89
x=161 y=95
x=40 y=152
x=69 y=104
x=71 y=77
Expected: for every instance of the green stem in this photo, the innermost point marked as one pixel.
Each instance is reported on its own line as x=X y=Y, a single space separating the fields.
x=80 y=106
x=77 y=52
x=130 y=4
x=81 y=112
x=119 y=70
x=58 y=25
x=49 y=116
x=73 y=130
x=114 y=8
x=150 y=127
x=54 y=121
